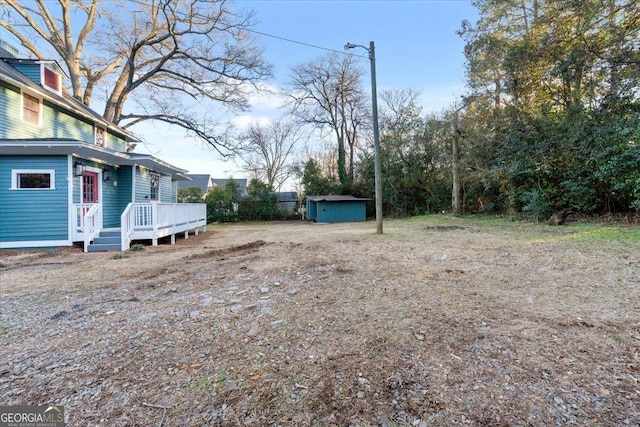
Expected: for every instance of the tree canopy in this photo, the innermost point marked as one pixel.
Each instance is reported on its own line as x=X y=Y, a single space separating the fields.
x=327 y=94
x=564 y=81
x=146 y=59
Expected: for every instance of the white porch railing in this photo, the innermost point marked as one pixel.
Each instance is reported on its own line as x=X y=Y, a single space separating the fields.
x=141 y=221
x=87 y=221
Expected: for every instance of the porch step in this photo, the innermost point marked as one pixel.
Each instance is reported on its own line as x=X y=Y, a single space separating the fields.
x=107 y=240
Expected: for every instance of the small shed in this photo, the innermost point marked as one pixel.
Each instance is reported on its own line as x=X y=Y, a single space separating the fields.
x=336 y=208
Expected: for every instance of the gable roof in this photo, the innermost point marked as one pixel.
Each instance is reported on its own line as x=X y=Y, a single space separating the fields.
x=222 y=182
x=11 y=75
x=197 y=180
x=287 y=196
x=242 y=182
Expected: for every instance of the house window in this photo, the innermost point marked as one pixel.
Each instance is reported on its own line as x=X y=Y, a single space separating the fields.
x=100 y=137
x=51 y=80
x=30 y=109
x=155 y=186
x=33 y=179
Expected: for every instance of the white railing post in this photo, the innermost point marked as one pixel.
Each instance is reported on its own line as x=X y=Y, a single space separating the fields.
x=91 y=224
x=154 y=221
x=126 y=227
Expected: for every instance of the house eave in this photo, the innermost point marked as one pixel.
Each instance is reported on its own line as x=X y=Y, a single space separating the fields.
x=53 y=147
x=156 y=164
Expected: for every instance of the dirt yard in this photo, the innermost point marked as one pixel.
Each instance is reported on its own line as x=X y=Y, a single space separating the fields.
x=440 y=321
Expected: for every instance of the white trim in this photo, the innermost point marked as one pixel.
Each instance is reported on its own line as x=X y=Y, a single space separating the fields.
x=43 y=80
x=99 y=172
x=40 y=107
x=158 y=195
x=16 y=172
x=35 y=244
x=133 y=183
x=71 y=183
x=104 y=136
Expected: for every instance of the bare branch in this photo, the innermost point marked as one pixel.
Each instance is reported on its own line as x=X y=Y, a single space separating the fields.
x=193 y=48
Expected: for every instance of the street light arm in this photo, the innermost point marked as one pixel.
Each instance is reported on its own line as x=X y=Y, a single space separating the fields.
x=353 y=46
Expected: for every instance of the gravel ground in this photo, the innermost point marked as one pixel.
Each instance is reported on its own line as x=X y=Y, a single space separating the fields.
x=440 y=321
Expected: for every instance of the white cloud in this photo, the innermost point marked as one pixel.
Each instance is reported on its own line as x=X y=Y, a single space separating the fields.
x=242 y=122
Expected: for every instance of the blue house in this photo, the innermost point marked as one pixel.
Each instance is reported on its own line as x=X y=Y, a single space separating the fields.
x=68 y=175
x=336 y=209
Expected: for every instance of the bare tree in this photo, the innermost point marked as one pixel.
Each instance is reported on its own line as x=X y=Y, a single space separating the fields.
x=265 y=151
x=159 y=52
x=327 y=93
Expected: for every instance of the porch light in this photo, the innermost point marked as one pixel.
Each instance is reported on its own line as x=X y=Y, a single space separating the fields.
x=106 y=175
x=79 y=169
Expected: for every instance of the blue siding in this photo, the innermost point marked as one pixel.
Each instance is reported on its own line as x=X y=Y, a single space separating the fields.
x=125 y=186
x=338 y=211
x=115 y=195
x=312 y=210
x=166 y=189
x=143 y=187
x=56 y=123
x=30 y=70
x=9 y=108
x=34 y=215
x=174 y=191
x=59 y=124
x=111 y=200
x=115 y=143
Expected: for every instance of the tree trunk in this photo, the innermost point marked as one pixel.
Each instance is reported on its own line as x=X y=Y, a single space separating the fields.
x=455 y=161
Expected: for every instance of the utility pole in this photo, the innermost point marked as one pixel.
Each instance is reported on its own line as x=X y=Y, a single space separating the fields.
x=376 y=132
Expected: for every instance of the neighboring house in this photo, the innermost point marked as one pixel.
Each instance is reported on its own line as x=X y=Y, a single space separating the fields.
x=67 y=174
x=203 y=182
x=241 y=182
x=288 y=201
x=336 y=208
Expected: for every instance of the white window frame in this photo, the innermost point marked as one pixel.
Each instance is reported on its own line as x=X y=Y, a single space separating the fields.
x=15 y=181
x=151 y=176
x=40 y=108
x=43 y=80
x=104 y=136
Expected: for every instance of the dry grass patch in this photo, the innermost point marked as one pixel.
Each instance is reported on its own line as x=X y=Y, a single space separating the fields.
x=440 y=321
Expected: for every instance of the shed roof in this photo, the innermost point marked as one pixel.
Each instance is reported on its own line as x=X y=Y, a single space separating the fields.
x=335 y=198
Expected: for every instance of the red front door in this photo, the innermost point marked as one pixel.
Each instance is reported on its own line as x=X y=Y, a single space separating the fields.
x=90 y=187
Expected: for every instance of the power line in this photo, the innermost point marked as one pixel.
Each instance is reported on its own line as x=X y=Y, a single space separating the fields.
x=303 y=43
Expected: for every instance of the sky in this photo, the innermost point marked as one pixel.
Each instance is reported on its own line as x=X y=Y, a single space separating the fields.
x=416 y=46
